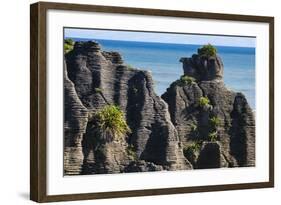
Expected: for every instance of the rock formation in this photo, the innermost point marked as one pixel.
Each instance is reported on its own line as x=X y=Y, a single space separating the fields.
x=101 y=78
x=225 y=119
x=75 y=122
x=173 y=132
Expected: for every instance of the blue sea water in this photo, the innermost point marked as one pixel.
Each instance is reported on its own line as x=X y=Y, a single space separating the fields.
x=162 y=59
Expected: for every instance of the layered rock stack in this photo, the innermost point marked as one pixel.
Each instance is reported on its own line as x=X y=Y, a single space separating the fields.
x=75 y=123
x=196 y=123
x=215 y=125
x=101 y=78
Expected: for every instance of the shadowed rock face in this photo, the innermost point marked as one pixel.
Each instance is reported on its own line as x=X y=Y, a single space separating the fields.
x=162 y=127
x=235 y=131
x=100 y=78
x=211 y=156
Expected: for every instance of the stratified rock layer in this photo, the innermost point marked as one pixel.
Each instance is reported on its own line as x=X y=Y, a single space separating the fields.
x=236 y=129
x=75 y=122
x=172 y=132
x=100 y=78
x=203 y=68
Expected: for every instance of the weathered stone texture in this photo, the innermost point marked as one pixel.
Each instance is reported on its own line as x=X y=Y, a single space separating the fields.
x=236 y=130
x=101 y=78
x=162 y=127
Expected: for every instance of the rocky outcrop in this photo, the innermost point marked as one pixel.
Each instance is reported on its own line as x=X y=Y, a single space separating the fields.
x=203 y=68
x=100 y=78
x=225 y=117
x=197 y=123
x=103 y=155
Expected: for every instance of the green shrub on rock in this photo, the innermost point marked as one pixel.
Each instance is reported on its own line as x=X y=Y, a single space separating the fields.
x=215 y=121
x=68 y=45
x=111 y=121
x=98 y=90
x=204 y=101
x=213 y=136
x=185 y=80
x=191 y=149
x=130 y=67
x=193 y=127
x=207 y=50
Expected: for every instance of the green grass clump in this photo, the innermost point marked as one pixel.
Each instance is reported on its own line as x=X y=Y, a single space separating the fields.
x=215 y=121
x=213 y=136
x=207 y=50
x=130 y=67
x=98 y=90
x=185 y=80
x=193 y=127
x=204 y=101
x=68 y=45
x=131 y=152
x=192 y=148
x=111 y=120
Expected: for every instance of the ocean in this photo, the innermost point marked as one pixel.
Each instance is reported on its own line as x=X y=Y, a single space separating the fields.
x=162 y=59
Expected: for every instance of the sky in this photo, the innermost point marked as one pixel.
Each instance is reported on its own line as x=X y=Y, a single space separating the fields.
x=160 y=37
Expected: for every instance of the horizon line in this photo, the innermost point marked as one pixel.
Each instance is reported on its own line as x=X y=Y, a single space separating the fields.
x=96 y=39
x=161 y=37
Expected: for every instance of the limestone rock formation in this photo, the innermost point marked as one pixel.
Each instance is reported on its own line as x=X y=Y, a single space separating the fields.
x=203 y=68
x=204 y=110
x=75 y=122
x=101 y=78
x=197 y=123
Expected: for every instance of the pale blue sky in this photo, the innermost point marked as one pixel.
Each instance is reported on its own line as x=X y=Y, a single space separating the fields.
x=160 y=37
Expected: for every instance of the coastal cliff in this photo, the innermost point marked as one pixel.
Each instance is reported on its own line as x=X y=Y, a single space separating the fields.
x=176 y=131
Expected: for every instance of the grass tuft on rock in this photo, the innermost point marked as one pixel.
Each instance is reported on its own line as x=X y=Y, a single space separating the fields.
x=98 y=90
x=207 y=50
x=185 y=80
x=204 y=101
x=213 y=136
x=130 y=67
x=215 y=121
x=193 y=127
x=111 y=120
x=68 y=45
x=192 y=148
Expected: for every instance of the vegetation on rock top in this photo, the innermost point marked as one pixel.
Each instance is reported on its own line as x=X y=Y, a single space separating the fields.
x=184 y=80
x=207 y=50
